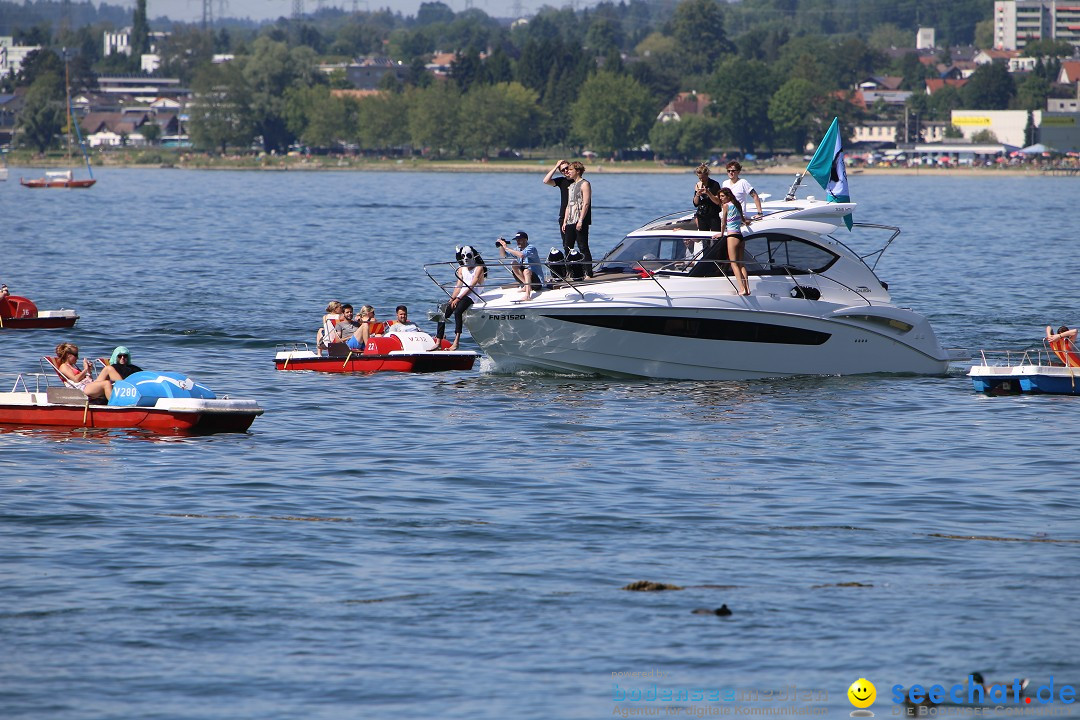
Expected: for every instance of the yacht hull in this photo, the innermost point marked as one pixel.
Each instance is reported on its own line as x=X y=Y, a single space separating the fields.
x=701 y=344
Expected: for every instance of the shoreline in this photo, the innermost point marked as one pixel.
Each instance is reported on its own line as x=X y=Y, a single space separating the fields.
x=330 y=164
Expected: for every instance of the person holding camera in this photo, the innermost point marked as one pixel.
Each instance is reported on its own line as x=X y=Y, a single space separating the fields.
x=527 y=268
x=706 y=200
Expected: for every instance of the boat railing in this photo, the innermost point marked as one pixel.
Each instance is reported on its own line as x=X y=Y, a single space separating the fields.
x=291 y=347
x=41 y=382
x=1042 y=356
x=500 y=274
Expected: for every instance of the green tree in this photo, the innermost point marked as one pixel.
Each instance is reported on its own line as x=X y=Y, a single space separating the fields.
x=1030 y=131
x=140 y=31
x=43 y=115
x=984 y=33
x=603 y=36
x=792 y=111
x=990 y=87
x=38 y=63
x=431 y=13
x=497 y=116
x=742 y=91
x=888 y=36
x=383 y=121
x=435 y=117
x=664 y=139
x=270 y=70
x=218 y=115
x=698 y=135
x=316 y=116
x=984 y=136
x=941 y=104
x=185 y=51
x=698 y=29
x=150 y=131
x=1048 y=47
x=612 y=112
x=952 y=132
x=1032 y=92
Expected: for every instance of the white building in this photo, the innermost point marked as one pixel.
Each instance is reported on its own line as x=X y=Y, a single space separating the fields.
x=1060 y=130
x=12 y=55
x=924 y=39
x=1018 y=22
x=118 y=42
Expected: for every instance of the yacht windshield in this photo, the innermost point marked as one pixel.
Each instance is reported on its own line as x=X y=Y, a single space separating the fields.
x=650 y=252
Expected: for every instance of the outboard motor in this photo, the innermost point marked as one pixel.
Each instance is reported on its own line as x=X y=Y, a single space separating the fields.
x=556 y=263
x=576 y=261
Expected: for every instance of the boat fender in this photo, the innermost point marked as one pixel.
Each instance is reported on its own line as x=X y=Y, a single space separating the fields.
x=576 y=260
x=145 y=388
x=804 y=291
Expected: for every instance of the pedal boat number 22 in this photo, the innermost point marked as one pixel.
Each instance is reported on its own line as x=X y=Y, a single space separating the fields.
x=656 y=310
x=408 y=352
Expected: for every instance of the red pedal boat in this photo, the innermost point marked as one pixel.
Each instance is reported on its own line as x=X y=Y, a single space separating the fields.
x=52 y=180
x=166 y=403
x=396 y=352
x=19 y=313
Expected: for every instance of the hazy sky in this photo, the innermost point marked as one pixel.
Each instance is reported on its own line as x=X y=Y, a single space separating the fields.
x=191 y=10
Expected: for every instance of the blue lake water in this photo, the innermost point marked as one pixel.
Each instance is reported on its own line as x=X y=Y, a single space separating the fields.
x=454 y=545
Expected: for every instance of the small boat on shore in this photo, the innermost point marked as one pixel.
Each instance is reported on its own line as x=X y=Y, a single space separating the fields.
x=408 y=352
x=167 y=403
x=1051 y=370
x=20 y=313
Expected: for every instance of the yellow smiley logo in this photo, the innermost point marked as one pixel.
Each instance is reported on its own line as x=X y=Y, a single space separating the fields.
x=862 y=693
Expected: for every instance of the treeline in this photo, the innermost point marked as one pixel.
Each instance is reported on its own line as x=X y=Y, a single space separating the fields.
x=773 y=69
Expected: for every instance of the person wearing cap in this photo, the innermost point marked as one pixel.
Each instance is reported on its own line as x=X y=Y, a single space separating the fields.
x=527 y=268
x=121 y=362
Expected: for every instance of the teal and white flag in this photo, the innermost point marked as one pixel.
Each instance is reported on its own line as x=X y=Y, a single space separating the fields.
x=827 y=167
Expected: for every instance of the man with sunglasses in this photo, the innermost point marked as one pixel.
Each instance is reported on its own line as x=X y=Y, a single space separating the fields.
x=741 y=189
x=563 y=183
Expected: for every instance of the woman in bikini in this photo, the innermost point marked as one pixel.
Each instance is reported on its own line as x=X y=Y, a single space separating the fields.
x=67 y=354
x=731 y=222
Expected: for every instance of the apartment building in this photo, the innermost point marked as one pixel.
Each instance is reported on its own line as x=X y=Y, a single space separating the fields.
x=1018 y=22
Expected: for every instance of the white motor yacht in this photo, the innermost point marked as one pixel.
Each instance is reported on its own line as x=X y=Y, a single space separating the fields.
x=657 y=309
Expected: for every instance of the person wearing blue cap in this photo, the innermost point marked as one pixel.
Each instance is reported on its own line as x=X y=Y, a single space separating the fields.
x=527 y=268
x=121 y=360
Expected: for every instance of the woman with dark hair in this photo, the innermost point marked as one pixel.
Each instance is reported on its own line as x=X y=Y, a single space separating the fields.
x=471 y=274
x=1063 y=333
x=731 y=222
